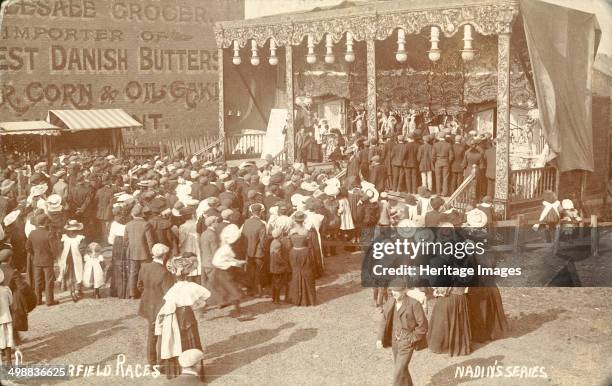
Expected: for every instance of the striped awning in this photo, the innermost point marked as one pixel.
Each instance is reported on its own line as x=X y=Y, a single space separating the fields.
x=76 y=120
x=28 y=128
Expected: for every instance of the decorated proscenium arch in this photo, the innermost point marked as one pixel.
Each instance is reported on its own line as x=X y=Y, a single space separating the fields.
x=364 y=22
x=372 y=23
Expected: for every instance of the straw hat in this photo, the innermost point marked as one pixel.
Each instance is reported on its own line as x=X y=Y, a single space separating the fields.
x=73 y=225
x=424 y=234
x=159 y=249
x=6 y=186
x=331 y=190
x=11 y=217
x=333 y=182
x=476 y=218
x=54 y=203
x=370 y=191
x=309 y=186
x=190 y=358
x=298 y=200
x=406 y=228
x=230 y=234
x=265 y=180
x=38 y=190
x=567 y=204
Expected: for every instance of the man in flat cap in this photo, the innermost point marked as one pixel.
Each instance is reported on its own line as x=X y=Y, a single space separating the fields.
x=403 y=328
x=139 y=239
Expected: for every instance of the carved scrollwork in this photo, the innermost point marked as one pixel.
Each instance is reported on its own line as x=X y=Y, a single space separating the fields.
x=503 y=119
x=487 y=19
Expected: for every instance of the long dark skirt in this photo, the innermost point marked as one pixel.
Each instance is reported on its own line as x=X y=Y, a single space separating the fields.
x=120 y=270
x=302 y=288
x=449 y=328
x=190 y=339
x=225 y=286
x=487 y=318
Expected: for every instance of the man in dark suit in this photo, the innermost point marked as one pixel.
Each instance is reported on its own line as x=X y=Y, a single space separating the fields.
x=489 y=156
x=403 y=327
x=206 y=188
x=363 y=154
x=411 y=163
x=378 y=174
x=386 y=158
x=162 y=226
x=457 y=166
x=80 y=201
x=254 y=232
x=442 y=155
x=140 y=239
x=397 y=162
x=39 y=248
x=154 y=280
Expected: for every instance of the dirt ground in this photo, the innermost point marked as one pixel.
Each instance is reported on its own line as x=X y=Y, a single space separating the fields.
x=564 y=330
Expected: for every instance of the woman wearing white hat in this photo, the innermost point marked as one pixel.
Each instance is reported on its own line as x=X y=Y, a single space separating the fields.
x=224 y=283
x=71 y=260
x=176 y=325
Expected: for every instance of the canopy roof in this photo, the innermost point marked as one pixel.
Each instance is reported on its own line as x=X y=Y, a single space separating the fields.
x=376 y=19
x=28 y=128
x=76 y=120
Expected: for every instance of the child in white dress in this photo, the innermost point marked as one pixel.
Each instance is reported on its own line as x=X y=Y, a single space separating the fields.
x=93 y=273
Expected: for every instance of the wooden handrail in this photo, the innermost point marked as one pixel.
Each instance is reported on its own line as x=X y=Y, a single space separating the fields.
x=468 y=182
x=209 y=146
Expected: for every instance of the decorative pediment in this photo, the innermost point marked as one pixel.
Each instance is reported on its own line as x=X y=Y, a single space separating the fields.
x=487 y=19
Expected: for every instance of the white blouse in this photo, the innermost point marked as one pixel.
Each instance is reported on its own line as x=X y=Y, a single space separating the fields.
x=116 y=230
x=224 y=258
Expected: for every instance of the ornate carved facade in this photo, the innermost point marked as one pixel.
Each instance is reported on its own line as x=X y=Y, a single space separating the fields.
x=377 y=21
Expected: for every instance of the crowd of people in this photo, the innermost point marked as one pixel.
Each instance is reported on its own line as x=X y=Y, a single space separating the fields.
x=187 y=232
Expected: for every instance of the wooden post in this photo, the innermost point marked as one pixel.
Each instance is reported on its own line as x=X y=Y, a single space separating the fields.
x=594 y=236
x=221 y=97
x=556 y=240
x=502 y=153
x=290 y=134
x=517 y=233
x=371 y=108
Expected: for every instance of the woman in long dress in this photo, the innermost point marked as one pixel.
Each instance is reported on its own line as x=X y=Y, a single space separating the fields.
x=487 y=318
x=302 y=288
x=71 y=260
x=176 y=325
x=120 y=263
x=449 y=327
x=224 y=282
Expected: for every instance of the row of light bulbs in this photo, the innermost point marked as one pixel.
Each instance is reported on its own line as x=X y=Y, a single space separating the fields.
x=401 y=55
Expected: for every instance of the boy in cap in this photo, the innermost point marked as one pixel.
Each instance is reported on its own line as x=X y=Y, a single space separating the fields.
x=403 y=327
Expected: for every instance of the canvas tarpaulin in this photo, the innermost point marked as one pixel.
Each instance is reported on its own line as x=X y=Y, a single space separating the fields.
x=562 y=43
